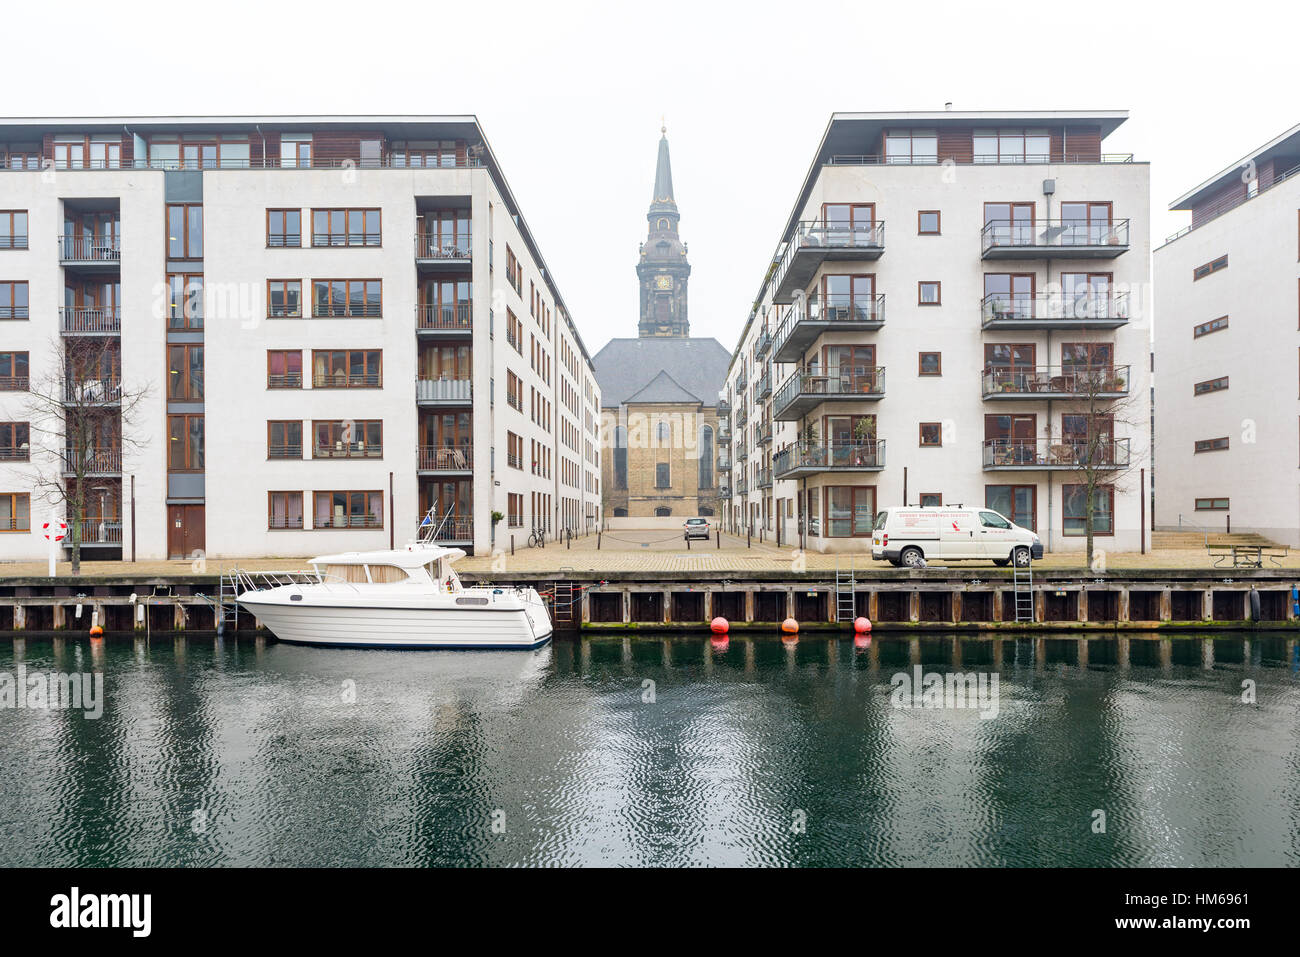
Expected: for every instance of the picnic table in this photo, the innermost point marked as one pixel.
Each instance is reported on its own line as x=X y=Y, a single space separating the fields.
x=1245 y=555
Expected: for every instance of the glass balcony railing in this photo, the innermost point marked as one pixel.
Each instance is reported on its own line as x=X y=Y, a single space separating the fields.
x=1056 y=453
x=1052 y=381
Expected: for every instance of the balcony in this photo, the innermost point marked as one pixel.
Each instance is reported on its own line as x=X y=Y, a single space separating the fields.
x=762 y=344
x=723 y=407
x=724 y=429
x=1056 y=382
x=764 y=478
x=742 y=417
x=443 y=253
x=815 y=243
x=1053 y=311
x=90 y=322
x=724 y=462
x=445 y=458
x=93 y=462
x=95 y=531
x=1065 y=239
x=742 y=380
x=1054 y=454
x=284 y=380
x=742 y=486
x=724 y=491
x=742 y=452
x=448 y=319
x=809 y=458
x=346 y=450
x=763 y=433
x=291 y=451
x=346 y=380
x=832 y=314
x=91 y=254
x=16 y=453
x=14 y=383
x=83 y=392
x=763 y=388
x=444 y=392
x=804 y=391
x=449 y=530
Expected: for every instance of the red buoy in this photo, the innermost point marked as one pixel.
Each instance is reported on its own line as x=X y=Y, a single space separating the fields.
x=790 y=626
x=861 y=625
x=96 y=631
x=719 y=643
x=862 y=640
x=719 y=626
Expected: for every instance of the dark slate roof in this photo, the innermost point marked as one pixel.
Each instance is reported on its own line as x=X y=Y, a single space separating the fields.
x=662 y=388
x=625 y=367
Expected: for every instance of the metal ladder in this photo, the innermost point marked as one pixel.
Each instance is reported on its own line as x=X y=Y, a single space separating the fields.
x=562 y=603
x=846 y=608
x=226 y=608
x=1022 y=580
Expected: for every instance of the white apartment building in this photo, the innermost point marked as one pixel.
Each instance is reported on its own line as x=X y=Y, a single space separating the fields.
x=1227 y=432
x=956 y=313
x=303 y=333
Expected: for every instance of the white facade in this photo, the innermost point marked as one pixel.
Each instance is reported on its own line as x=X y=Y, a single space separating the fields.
x=1227 y=420
x=889 y=313
x=469 y=474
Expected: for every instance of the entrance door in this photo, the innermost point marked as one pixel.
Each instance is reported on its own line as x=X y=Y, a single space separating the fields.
x=185 y=530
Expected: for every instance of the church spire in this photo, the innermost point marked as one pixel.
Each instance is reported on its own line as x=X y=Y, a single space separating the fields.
x=663 y=269
x=663 y=200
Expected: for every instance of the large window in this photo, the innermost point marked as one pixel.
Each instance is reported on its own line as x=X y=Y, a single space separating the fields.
x=706 y=457
x=295 y=150
x=1074 y=506
x=283 y=228
x=284 y=298
x=436 y=154
x=850 y=510
x=184 y=301
x=620 y=457
x=348 y=509
x=15 y=512
x=446 y=304
x=1016 y=502
x=185 y=373
x=514 y=451
x=663 y=475
x=447 y=234
x=284 y=510
x=184 y=231
x=1085 y=224
x=284 y=368
x=849 y=297
x=13 y=300
x=346 y=298
x=13 y=229
x=348 y=438
x=1009 y=224
x=347 y=369
x=284 y=439
x=14 y=374
x=514 y=391
x=185 y=443
x=15 y=442
x=1012 y=146
x=345 y=227
x=450 y=362
x=911 y=146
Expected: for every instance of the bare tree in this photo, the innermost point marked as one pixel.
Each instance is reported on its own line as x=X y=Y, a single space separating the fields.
x=81 y=425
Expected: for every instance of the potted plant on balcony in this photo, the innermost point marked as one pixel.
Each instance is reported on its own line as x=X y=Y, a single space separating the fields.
x=864 y=430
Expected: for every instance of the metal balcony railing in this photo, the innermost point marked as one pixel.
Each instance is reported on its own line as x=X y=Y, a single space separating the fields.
x=339 y=310
x=15 y=453
x=451 y=528
x=452 y=317
x=762 y=343
x=1052 y=381
x=443 y=247
x=1062 y=308
x=96 y=531
x=14 y=383
x=90 y=321
x=764 y=478
x=81 y=249
x=801 y=326
x=92 y=462
x=846 y=382
x=762 y=433
x=444 y=390
x=1064 y=234
x=92 y=391
x=346 y=450
x=445 y=458
x=293 y=451
x=820 y=457
x=1055 y=453
x=284 y=380
x=347 y=380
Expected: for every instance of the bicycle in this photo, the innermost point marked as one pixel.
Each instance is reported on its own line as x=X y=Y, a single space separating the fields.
x=537 y=538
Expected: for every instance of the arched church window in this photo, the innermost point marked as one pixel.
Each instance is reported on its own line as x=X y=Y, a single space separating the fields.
x=663 y=511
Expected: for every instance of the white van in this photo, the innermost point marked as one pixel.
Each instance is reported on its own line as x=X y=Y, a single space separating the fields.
x=906 y=535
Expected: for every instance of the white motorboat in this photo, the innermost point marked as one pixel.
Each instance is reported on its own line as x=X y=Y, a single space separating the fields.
x=400 y=598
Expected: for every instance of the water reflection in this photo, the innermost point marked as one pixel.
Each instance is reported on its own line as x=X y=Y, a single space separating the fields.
x=657 y=749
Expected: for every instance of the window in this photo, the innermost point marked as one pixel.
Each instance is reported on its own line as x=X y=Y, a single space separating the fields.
x=1009 y=295
x=1210 y=385
x=514 y=451
x=185 y=443
x=284 y=439
x=348 y=439
x=1086 y=224
x=931 y=499
x=663 y=511
x=1074 y=508
x=345 y=227
x=347 y=298
x=1200 y=272
x=1214 y=325
x=1012 y=146
x=931 y=434
x=927 y=222
x=13 y=229
x=514 y=391
x=1080 y=357
x=514 y=271
x=13 y=300
x=515 y=510
x=15 y=512
x=446 y=304
x=184 y=301
x=620 y=457
x=184 y=231
x=514 y=332
x=930 y=363
x=911 y=146
x=1016 y=502
x=15 y=442
x=14 y=376
x=927 y=293
x=295 y=150
x=706 y=454
x=993 y=520
x=663 y=475
x=347 y=509
x=1212 y=445
x=850 y=511
x=284 y=510
x=441 y=154
x=444 y=234
x=20 y=157
x=185 y=373
x=284 y=368
x=283 y=228
x=347 y=368
x=847 y=224
x=850 y=298
x=1211 y=504
x=284 y=298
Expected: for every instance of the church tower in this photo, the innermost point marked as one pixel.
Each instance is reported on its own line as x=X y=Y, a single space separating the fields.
x=663 y=269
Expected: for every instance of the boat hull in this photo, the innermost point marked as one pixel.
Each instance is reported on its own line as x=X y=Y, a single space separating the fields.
x=319 y=621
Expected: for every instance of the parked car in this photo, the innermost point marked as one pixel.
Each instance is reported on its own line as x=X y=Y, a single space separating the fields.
x=911 y=535
x=697 y=528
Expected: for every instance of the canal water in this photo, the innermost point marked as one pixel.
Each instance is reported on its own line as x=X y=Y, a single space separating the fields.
x=657 y=750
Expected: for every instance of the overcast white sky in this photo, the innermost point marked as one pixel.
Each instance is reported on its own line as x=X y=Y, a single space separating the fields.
x=570 y=95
